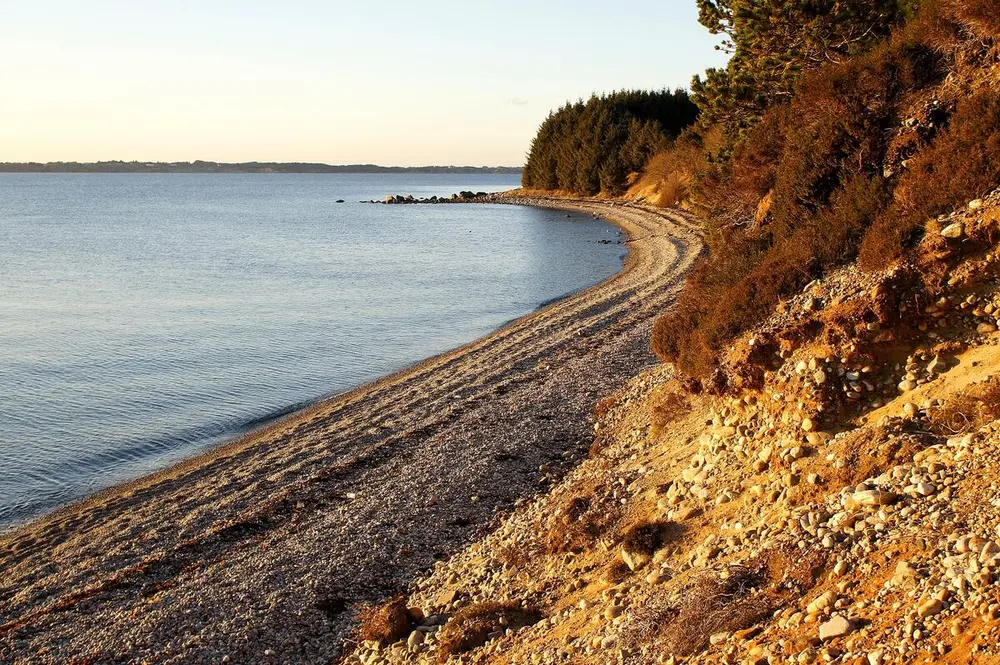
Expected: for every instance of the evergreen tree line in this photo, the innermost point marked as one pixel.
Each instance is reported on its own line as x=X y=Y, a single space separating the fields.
x=593 y=146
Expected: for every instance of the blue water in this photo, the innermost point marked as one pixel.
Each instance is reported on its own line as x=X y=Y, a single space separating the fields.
x=145 y=318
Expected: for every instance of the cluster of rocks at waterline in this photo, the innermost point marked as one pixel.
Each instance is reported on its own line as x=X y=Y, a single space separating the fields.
x=461 y=197
x=832 y=497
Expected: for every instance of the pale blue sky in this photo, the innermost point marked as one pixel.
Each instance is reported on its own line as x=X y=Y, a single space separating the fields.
x=385 y=81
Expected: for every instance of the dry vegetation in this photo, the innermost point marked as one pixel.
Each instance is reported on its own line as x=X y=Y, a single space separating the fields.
x=967 y=411
x=863 y=155
x=649 y=537
x=388 y=622
x=471 y=627
x=714 y=604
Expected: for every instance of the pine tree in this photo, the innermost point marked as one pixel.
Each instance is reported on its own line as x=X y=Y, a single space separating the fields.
x=773 y=41
x=593 y=146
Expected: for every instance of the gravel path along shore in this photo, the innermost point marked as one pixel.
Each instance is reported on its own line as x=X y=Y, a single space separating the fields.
x=259 y=551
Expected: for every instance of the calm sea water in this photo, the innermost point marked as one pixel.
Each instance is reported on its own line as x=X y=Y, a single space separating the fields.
x=144 y=318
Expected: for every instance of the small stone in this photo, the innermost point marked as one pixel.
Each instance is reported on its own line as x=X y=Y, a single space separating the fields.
x=612 y=611
x=929 y=608
x=873 y=498
x=906 y=386
x=986 y=328
x=634 y=560
x=905 y=575
x=937 y=366
x=415 y=640
x=808 y=425
x=837 y=626
x=956 y=230
x=975 y=205
x=687 y=513
x=822 y=602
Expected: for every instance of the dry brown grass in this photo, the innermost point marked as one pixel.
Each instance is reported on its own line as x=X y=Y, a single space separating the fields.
x=385 y=623
x=737 y=598
x=603 y=406
x=471 y=627
x=669 y=175
x=668 y=404
x=968 y=411
x=980 y=16
x=963 y=163
x=822 y=157
x=711 y=604
x=649 y=537
x=616 y=572
x=580 y=522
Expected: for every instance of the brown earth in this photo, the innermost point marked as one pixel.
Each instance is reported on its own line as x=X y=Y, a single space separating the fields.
x=836 y=499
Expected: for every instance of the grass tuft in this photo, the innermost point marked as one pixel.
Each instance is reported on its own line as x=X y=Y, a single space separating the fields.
x=471 y=627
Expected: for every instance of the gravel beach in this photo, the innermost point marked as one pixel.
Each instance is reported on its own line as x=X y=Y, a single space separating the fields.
x=260 y=551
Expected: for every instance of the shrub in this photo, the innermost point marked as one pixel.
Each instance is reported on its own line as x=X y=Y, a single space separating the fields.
x=713 y=604
x=980 y=16
x=667 y=179
x=819 y=160
x=616 y=572
x=968 y=411
x=961 y=164
x=386 y=623
x=581 y=521
x=470 y=628
x=649 y=537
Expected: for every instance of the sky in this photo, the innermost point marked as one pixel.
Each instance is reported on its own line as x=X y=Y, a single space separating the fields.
x=380 y=81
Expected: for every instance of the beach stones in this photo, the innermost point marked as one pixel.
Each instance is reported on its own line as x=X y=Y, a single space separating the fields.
x=837 y=626
x=952 y=231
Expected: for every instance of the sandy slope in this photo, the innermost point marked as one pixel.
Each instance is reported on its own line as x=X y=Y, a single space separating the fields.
x=259 y=550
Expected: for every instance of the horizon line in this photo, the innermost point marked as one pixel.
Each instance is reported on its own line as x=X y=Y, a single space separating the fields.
x=145 y=162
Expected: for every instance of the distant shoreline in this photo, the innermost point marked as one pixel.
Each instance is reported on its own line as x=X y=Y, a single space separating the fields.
x=241 y=167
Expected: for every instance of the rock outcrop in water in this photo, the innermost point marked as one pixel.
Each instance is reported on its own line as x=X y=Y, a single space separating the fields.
x=461 y=197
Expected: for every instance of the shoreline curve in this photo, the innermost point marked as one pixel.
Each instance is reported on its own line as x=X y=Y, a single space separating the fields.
x=342 y=474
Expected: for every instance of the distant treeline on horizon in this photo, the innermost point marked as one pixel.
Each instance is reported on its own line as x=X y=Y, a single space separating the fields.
x=244 y=167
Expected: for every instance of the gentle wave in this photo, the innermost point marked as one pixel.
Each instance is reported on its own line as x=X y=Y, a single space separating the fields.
x=146 y=318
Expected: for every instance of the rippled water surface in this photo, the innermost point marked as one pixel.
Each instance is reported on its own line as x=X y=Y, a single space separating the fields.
x=144 y=318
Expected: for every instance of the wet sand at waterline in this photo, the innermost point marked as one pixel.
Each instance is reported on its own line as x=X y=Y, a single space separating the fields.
x=259 y=550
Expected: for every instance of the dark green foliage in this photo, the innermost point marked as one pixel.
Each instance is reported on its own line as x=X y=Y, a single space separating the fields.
x=592 y=147
x=774 y=41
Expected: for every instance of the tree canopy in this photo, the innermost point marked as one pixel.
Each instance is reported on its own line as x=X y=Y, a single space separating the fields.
x=593 y=146
x=773 y=41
